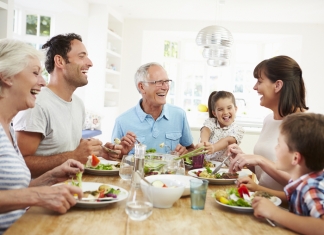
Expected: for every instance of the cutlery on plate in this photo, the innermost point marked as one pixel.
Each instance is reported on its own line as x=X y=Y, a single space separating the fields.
x=220 y=166
x=109 y=150
x=248 y=199
x=143 y=178
x=97 y=199
x=270 y=222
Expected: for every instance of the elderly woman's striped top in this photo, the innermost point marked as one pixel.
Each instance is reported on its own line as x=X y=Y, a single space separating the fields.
x=14 y=174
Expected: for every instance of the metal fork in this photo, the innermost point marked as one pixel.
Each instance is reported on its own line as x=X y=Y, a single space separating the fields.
x=220 y=166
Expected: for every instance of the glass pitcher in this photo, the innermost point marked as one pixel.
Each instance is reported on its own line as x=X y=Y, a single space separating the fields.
x=139 y=205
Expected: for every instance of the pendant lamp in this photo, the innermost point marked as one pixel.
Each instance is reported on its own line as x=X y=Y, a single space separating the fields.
x=217 y=42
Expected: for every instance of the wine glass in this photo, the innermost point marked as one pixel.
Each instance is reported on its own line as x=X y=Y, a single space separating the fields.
x=126 y=168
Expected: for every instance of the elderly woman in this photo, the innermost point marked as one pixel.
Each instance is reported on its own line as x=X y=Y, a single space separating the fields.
x=20 y=82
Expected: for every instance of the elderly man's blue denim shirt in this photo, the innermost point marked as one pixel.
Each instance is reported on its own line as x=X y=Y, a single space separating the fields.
x=170 y=128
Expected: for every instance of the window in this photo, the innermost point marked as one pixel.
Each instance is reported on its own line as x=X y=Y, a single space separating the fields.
x=194 y=80
x=33 y=28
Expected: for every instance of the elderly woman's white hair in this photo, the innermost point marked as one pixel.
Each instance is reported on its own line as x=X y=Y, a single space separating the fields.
x=141 y=74
x=15 y=56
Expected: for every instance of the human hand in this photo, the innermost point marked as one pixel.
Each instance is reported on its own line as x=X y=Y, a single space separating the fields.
x=233 y=149
x=66 y=170
x=237 y=163
x=199 y=145
x=264 y=208
x=248 y=182
x=112 y=156
x=57 y=198
x=127 y=142
x=86 y=148
x=180 y=150
x=209 y=147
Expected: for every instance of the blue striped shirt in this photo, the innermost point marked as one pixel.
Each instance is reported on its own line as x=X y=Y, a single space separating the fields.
x=14 y=174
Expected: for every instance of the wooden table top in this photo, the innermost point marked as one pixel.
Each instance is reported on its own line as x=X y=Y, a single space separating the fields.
x=180 y=219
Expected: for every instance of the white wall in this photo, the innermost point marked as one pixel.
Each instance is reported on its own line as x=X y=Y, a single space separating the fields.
x=312 y=58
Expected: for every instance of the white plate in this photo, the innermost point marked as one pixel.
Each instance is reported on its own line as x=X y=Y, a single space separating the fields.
x=243 y=172
x=103 y=172
x=275 y=200
x=91 y=186
x=182 y=178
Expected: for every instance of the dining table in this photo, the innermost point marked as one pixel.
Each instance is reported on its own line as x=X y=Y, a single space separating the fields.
x=112 y=219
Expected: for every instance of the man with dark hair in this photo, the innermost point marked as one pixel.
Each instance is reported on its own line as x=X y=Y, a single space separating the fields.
x=51 y=133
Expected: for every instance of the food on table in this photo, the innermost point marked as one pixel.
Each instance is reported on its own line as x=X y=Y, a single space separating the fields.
x=238 y=196
x=220 y=193
x=208 y=174
x=164 y=145
x=243 y=190
x=117 y=141
x=160 y=184
x=153 y=168
x=78 y=183
x=93 y=161
x=102 y=192
x=262 y=194
x=193 y=153
x=150 y=150
x=208 y=164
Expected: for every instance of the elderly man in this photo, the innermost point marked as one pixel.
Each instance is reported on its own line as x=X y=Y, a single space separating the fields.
x=152 y=121
x=51 y=132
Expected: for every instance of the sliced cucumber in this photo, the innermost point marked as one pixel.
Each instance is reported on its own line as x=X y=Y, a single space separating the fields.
x=158 y=184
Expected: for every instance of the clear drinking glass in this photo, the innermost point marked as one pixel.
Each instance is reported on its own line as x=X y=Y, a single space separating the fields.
x=139 y=205
x=174 y=166
x=126 y=168
x=198 y=191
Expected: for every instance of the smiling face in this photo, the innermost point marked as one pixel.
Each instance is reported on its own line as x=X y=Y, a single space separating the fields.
x=153 y=95
x=267 y=90
x=225 y=111
x=27 y=84
x=76 y=69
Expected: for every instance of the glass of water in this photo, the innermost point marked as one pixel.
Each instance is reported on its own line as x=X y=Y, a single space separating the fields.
x=126 y=168
x=198 y=191
x=139 y=205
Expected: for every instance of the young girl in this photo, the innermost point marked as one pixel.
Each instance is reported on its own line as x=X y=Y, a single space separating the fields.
x=219 y=129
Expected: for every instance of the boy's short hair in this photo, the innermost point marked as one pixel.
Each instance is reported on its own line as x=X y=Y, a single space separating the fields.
x=304 y=133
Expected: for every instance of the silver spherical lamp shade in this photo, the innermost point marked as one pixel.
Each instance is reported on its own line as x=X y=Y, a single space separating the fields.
x=217 y=42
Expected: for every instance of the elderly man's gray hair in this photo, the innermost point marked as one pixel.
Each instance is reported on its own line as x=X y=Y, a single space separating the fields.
x=142 y=74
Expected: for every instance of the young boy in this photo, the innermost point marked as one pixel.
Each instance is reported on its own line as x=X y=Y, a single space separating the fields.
x=300 y=152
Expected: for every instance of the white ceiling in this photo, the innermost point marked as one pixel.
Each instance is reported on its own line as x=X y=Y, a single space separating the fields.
x=302 y=11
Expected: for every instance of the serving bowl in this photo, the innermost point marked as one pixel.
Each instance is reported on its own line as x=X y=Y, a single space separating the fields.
x=162 y=163
x=182 y=178
x=164 y=197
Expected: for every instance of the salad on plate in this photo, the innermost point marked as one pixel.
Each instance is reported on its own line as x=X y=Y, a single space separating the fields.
x=240 y=199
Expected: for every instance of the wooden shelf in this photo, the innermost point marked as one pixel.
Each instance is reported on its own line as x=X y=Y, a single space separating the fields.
x=114 y=54
x=114 y=35
x=110 y=71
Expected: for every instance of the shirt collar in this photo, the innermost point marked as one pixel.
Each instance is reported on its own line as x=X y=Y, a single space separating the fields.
x=293 y=184
x=142 y=115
